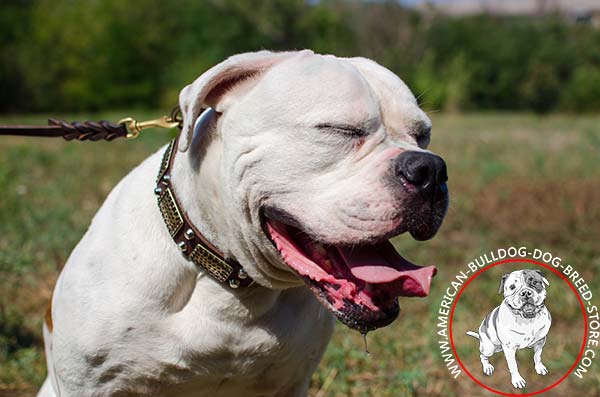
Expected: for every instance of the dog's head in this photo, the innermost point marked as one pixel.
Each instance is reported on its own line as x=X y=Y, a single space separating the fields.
x=322 y=160
x=524 y=290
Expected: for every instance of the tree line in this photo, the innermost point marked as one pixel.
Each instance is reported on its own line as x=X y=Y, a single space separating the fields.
x=61 y=55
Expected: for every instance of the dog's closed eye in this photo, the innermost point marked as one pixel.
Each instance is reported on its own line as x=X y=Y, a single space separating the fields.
x=345 y=129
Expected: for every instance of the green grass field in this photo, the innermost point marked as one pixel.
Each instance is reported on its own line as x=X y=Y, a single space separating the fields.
x=513 y=180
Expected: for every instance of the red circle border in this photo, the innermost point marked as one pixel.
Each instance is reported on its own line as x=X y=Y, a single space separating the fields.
x=585 y=319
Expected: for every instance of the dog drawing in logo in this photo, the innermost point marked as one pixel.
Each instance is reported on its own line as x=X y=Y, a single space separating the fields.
x=521 y=321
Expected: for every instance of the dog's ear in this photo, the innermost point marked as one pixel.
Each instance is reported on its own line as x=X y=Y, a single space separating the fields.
x=501 y=289
x=544 y=279
x=222 y=84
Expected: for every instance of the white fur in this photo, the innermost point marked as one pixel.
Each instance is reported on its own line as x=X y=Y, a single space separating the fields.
x=131 y=315
x=502 y=330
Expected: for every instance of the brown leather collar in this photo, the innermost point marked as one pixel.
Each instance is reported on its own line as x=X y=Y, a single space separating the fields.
x=193 y=245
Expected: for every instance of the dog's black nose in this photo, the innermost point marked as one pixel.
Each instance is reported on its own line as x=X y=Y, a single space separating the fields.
x=526 y=293
x=425 y=171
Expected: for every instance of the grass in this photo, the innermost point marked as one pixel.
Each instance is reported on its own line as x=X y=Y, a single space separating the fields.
x=514 y=179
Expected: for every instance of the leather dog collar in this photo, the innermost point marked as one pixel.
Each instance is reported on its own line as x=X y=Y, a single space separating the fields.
x=192 y=244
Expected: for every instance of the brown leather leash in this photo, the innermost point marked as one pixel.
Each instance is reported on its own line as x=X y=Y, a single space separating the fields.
x=93 y=131
x=192 y=244
x=58 y=128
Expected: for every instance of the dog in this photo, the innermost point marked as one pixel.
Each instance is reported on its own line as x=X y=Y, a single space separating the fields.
x=521 y=321
x=301 y=169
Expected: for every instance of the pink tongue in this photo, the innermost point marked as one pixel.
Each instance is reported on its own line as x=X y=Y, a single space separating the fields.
x=381 y=264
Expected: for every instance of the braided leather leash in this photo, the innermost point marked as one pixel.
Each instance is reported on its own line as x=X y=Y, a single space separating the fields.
x=93 y=131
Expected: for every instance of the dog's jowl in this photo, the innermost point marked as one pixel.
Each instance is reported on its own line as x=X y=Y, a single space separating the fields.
x=223 y=275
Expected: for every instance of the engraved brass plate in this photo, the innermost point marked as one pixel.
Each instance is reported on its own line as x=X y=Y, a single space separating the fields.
x=165 y=161
x=170 y=212
x=217 y=268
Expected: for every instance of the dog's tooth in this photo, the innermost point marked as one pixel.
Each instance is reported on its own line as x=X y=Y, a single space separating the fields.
x=320 y=249
x=327 y=265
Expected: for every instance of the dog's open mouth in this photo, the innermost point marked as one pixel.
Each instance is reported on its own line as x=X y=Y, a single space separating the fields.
x=359 y=284
x=529 y=309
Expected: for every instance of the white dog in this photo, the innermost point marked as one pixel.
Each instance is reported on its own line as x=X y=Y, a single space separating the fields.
x=521 y=321
x=304 y=168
